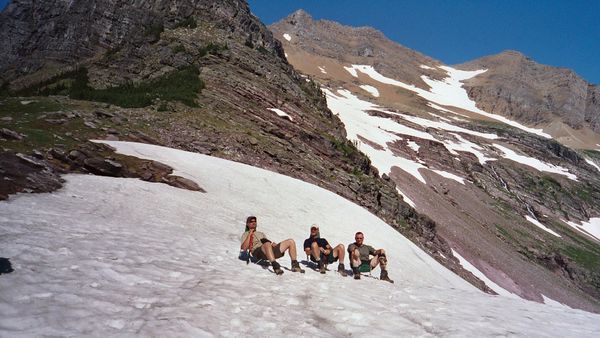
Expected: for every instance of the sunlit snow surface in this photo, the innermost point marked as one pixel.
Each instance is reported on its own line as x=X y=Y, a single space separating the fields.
x=372 y=90
x=446 y=92
x=281 y=113
x=590 y=228
x=382 y=130
x=541 y=226
x=592 y=163
x=123 y=257
x=287 y=36
x=535 y=163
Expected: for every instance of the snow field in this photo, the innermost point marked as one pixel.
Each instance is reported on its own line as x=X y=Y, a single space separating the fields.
x=446 y=92
x=123 y=257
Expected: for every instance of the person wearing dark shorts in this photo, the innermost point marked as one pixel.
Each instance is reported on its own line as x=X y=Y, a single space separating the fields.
x=360 y=258
x=262 y=248
x=321 y=252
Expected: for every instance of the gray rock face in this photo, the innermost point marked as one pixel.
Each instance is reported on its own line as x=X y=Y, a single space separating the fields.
x=516 y=86
x=34 y=34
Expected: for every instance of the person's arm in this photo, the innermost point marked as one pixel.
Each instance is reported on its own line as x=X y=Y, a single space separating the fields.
x=327 y=248
x=246 y=240
x=307 y=246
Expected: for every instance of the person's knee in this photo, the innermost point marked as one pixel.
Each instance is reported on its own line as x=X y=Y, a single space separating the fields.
x=315 y=246
x=266 y=246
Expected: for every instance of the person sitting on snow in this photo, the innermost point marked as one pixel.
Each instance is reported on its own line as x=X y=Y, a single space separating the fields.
x=360 y=261
x=321 y=252
x=260 y=247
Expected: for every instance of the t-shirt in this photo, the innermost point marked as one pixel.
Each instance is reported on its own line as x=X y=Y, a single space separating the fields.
x=256 y=240
x=321 y=242
x=364 y=250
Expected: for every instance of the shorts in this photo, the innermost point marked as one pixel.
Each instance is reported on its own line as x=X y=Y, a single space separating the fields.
x=329 y=259
x=365 y=266
x=258 y=253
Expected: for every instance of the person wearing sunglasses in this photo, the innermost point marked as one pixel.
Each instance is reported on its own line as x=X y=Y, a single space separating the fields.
x=321 y=252
x=361 y=261
x=259 y=247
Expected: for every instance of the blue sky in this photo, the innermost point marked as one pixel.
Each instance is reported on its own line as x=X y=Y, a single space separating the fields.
x=557 y=33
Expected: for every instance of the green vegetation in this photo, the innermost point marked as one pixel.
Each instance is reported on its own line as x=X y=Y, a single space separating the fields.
x=154 y=31
x=346 y=147
x=592 y=153
x=188 y=22
x=590 y=259
x=181 y=85
x=212 y=48
x=178 y=49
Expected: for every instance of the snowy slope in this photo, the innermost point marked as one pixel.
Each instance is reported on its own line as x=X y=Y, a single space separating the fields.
x=123 y=257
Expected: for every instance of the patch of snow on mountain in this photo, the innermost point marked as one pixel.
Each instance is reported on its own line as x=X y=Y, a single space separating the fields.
x=426 y=67
x=287 y=37
x=446 y=92
x=351 y=70
x=590 y=228
x=435 y=106
x=535 y=163
x=445 y=126
x=123 y=257
x=468 y=146
x=406 y=198
x=592 y=163
x=439 y=117
x=413 y=145
x=470 y=267
x=322 y=70
x=541 y=226
x=449 y=175
x=372 y=90
x=281 y=113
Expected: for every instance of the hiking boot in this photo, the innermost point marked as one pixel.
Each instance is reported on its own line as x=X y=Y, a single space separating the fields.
x=321 y=266
x=384 y=276
x=356 y=272
x=296 y=267
x=277 y=268
x=342 y=270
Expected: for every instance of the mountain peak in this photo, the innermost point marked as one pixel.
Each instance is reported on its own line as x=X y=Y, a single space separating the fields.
x=300 y=15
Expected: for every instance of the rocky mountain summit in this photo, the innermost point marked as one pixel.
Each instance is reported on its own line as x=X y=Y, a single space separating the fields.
x=507 y=192
x=516 y=86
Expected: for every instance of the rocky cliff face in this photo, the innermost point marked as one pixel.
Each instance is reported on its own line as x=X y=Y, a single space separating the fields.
x=248 y=104
x=517 y=86
x=487 y=205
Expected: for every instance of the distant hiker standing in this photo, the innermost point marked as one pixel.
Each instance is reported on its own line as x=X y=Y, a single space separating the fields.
x=321 y=252
x=262 y=248
x=360 y=258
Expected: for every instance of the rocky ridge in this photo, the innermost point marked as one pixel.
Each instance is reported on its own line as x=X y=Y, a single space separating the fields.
x=517 y=86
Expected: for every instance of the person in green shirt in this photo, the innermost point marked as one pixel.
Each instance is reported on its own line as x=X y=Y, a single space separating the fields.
x=361 y=261
x=261 y=248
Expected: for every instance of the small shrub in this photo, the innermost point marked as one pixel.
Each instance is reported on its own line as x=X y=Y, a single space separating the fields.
x=188 y=22
x=154 y=30
x=178 y=49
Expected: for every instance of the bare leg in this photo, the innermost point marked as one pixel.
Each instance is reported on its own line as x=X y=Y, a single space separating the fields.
x=288 y=244
x=339 y=252
x=355 y=259
x=267 y=249
x=315 y=252
x=377 y=259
